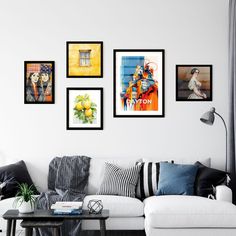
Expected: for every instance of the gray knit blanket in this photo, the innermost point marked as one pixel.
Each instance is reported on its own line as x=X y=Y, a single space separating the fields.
x=67 y=181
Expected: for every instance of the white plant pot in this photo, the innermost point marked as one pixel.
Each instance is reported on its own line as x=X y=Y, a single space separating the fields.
x=26 y=207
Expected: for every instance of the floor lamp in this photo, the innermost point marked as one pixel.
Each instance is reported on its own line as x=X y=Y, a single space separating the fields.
x=208 y=118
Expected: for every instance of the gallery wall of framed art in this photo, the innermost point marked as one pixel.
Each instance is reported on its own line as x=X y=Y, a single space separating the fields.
x=28 y=37
x=138 y=83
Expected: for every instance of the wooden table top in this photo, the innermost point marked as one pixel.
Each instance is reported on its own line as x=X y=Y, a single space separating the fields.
x=48 y=214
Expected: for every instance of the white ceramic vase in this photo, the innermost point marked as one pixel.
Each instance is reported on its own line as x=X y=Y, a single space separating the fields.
x=26 y=207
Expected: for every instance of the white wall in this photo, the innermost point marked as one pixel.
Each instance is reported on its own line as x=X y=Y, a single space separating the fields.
x=190 y=31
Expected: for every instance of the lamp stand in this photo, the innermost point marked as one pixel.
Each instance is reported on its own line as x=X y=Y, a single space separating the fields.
x=226 y=134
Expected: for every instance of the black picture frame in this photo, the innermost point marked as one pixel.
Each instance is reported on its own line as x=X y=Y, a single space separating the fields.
x=68 y=43
x=28 y=90
x=184 y=91
x=68 y=113
x=161 y=93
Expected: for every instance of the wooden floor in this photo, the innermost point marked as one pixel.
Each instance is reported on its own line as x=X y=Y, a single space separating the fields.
x=115 y=233
x=97 y=233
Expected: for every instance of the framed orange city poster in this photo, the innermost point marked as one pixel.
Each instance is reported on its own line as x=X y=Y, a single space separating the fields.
x=138 y=83
x=84 y=59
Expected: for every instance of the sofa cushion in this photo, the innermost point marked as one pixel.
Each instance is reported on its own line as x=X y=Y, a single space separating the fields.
x=118 y=206
x=176 y=179
x=6 y=205
x=122 y=223
x=188 y=212
x=119 y=181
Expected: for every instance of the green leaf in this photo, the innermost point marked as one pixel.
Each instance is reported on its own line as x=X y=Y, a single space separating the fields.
x=25 y=194
x=86 y=96
x=82 y=116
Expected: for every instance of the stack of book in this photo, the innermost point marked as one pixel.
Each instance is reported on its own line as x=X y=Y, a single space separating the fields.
x=67 y=208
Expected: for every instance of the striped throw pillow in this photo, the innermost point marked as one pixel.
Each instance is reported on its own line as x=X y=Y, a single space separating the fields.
x=119 y=181
x=148 y=179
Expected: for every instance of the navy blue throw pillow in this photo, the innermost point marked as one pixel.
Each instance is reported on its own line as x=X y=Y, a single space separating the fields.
x=12 y=175
x=175 y=179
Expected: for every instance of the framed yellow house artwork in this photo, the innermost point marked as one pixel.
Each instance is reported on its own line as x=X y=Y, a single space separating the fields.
x=84 y=59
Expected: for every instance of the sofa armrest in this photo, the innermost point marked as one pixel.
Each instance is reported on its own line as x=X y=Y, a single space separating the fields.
x=223 y=193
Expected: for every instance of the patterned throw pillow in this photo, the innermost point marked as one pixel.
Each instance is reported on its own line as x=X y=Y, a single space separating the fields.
x=148 y=179
x=119 y=181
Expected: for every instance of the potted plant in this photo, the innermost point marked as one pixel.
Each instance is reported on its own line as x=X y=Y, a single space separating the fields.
x=25 y=199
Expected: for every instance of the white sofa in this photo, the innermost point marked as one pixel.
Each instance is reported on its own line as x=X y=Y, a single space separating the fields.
x=162 y=215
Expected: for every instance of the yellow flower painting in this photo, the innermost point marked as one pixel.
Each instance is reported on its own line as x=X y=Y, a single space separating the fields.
x=85 y=59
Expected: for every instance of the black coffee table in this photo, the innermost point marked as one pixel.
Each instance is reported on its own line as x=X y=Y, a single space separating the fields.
x=46 y=215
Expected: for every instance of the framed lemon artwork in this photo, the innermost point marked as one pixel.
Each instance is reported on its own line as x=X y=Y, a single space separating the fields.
x=84 y=108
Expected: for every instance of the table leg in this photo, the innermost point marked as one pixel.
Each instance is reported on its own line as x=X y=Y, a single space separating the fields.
x=56 y=232
x=28 y=231
x=103 y=227
x=9 y=224
x=14 y=228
